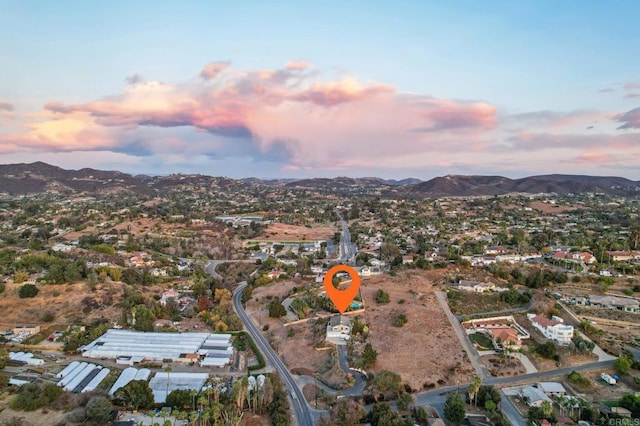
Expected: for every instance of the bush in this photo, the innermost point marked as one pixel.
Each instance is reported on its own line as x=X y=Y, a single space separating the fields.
x=276 y=309
x=31 y=397
x=400 y=320
x=27 y=291
x=382 y=297
x=2 y=285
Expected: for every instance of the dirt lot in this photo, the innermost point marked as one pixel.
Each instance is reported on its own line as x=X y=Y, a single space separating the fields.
x=502 y=368
x=32 y=418
x=425 y=351
x=69 y=304
x=282 y=232
x=302 y=346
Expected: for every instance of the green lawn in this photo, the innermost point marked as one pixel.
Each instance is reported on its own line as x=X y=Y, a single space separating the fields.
x=481 y=340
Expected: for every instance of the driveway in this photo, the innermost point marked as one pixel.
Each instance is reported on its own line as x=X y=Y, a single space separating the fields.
x=473 y=355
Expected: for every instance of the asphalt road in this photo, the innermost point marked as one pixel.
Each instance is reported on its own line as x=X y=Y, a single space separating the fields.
x=210 y=268
x=301 y=408
x=348 y=250
x=360 y=380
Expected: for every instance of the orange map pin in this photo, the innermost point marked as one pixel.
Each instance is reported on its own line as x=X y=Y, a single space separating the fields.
x=341 y=298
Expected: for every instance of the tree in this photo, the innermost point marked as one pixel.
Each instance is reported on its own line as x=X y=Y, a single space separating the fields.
x=136 y=394
x=145 y=318
x=180 y=398
x=490 y=406
x=454 y=409
x=369 y=356
x=27 y=291
x=487 y=393
x=131 y=276
x=403 y=401
x=276 y=309
x=346 y=412
x=623 y=364
x=99 y=410
x=20 y=276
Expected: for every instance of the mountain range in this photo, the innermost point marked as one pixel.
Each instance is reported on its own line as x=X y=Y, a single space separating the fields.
x=21 y=179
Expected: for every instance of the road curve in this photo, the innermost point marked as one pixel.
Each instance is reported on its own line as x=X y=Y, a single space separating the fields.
x=300 y=406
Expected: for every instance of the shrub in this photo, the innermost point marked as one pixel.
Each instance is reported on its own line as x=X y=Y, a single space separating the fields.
x=400 y=320
x=382 y=296
x=27 y=291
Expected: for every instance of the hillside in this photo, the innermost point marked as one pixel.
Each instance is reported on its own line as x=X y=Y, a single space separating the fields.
x=20 y=179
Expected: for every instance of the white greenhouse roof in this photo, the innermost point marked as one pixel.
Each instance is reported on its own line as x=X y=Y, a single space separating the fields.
x=152 y=346
x=163 y=383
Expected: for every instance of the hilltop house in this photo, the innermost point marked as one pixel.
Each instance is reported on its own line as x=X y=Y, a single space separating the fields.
x=553 y=328
x=338 y=329
x=623 y=256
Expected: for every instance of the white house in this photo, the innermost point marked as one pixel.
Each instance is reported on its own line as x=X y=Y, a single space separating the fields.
x=339 y=329
x=553 y=328
x=533 y=397
x=476 y=286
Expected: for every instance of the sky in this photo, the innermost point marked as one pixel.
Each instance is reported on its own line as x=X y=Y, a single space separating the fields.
x=323 y=89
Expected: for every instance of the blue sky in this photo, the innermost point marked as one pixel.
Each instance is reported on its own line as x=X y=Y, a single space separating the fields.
x=502 y=87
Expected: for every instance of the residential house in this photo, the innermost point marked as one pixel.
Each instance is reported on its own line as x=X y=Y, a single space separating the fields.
x=432 y=256
x=27 y=329
x=533 y=397
x=553 y=328
x=476 y=286
x=276 y=273
x=552 y=389
x=625 y=304
x=503 y=330
x=623 y=256
x=167 y=295
x=583 y=257
x=495 y=250
x=339 y=328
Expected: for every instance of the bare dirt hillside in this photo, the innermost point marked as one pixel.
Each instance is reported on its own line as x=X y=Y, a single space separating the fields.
x=425 y=350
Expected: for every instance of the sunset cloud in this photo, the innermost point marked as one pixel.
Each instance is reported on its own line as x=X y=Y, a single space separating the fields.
x=629 y=119
x=6 y=106
x=298 y=119
x=212 y=70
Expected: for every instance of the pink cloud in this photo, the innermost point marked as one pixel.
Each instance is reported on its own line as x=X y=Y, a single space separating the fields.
x=446 y=114
x=290 y=115
x=629 y=119
x=337 y=92
x=6 y=106
x=212 y=70
x=298 y=65
x=593 y=158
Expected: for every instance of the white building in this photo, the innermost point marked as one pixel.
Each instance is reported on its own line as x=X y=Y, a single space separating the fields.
x=338 y=329
x=554 y=328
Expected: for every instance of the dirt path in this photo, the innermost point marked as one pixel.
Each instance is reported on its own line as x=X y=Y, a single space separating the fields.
x=474 y=357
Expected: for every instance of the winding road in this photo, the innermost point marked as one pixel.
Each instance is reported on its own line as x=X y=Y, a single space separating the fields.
x=304 y=415
x=348 y=250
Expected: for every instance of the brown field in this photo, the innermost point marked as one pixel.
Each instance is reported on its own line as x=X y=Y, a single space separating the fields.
x=299 y=351
x=69 y=304
x=29 y=418
x=282 y=232
x=425 y=351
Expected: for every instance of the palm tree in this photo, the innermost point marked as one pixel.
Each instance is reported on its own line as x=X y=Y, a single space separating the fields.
x=477 y=382
x=152 y=414
x=547 y=408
